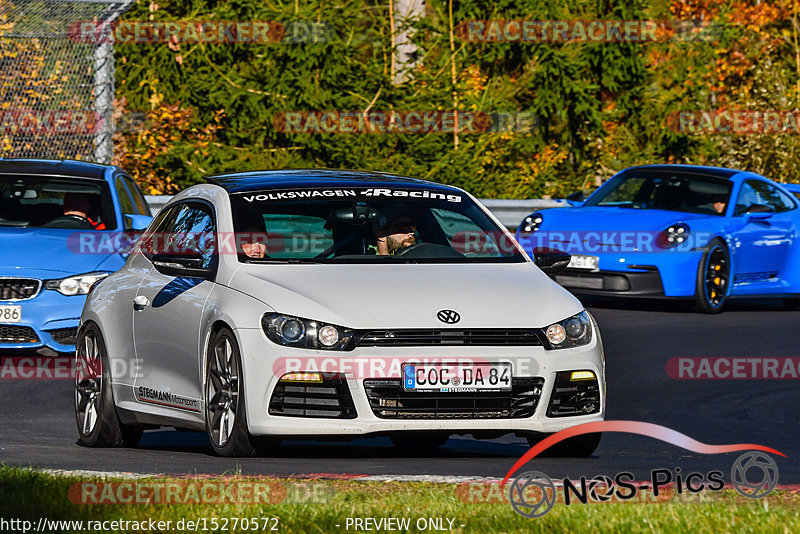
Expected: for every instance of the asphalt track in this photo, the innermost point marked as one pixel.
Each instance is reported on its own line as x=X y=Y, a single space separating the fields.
x=37 y=426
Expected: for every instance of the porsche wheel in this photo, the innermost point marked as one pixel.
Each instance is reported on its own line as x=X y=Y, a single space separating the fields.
x=226 y=414
x=95 y=414
x=713 y=278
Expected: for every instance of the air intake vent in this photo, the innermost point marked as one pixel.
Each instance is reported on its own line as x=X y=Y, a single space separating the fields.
x=329 y=397
x=486 y=337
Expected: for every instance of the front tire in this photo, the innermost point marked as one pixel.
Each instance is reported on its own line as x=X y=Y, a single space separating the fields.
x=95 y=413
x=226 y=413
x=713 y=278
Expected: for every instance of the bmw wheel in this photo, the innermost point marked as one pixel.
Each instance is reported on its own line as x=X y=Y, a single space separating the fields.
x=95 y=414
x=226 y=414
x=713 y=278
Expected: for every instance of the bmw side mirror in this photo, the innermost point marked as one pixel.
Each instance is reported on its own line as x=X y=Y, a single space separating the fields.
x=551 y=260
x=137 y=222
x=759 y=212
x=183 y=265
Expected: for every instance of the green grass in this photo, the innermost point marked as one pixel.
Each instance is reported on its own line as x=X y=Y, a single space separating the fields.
x=318 y=506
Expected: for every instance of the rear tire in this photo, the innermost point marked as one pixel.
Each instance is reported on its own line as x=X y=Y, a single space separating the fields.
x=95 y=413
x=225 y=410
x=419 y=442
x=713 y=278
x=581 y=446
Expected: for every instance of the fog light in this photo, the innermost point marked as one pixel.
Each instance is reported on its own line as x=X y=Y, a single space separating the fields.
x=556 y=334
x=581 y=375
x=302 y=377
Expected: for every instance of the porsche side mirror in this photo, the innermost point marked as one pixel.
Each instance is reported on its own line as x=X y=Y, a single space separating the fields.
x=551 y=260
x=760 y=212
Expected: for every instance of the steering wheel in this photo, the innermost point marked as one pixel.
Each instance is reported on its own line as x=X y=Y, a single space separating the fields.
x=70 y=221
x=431 y=250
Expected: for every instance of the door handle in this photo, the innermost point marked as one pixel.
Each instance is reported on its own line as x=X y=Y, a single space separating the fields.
x=140 y=301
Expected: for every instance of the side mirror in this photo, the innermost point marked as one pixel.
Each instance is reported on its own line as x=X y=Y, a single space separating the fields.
x=137 y=222
x=551 y=260
x=759 y=212
x=187 y=265
x=577 y=196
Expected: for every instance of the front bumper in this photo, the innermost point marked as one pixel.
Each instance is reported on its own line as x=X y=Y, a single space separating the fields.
x=49 y=321
x=264 y=363
x=667 y=274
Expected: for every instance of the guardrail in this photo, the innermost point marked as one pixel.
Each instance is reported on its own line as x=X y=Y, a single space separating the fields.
x=509 y=212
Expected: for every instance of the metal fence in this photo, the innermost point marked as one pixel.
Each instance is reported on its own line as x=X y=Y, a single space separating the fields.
x=56 y=86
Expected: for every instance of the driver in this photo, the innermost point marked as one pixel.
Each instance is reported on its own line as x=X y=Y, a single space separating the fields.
x=396 y=235
x=79 y=205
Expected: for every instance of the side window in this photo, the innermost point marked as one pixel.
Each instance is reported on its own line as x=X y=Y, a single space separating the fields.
x=138 y=197
x=184 y=229
x=757 y=192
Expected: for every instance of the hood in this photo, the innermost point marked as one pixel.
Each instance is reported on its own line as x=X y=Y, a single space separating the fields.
x=44 y=253
x=410 y=295
x=594 y=229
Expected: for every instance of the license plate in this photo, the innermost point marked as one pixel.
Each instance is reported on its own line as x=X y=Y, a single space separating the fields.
x=455 y=377
x=10 y=314
x=582 y=262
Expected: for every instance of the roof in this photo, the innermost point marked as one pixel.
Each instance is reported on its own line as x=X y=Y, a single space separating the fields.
x=243 y=182
x=719 y=172
x=51 y=167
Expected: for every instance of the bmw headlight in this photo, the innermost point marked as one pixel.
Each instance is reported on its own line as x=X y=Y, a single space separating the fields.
x=571 y=332
x=673 y=235
x=80 y=284
x=305 y=333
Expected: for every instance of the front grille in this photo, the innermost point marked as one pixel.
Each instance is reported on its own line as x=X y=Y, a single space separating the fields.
x=573 y=397
x=19 y=288
x=329 y=398
x=10 y=333
x=388 y=400
x=64 y=336
x=487 y=337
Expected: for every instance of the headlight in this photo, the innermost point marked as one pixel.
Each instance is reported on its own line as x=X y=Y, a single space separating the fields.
x=305 y=333
x=80 y=284
x=531 y=223
x=673 y=235
x=571 y=332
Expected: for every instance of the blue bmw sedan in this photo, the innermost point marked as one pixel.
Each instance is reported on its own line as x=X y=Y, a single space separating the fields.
x=61 y=224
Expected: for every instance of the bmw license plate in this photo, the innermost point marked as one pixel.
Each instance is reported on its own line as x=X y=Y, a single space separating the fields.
x=10 y=314
x=582 y=262
x=455 y=377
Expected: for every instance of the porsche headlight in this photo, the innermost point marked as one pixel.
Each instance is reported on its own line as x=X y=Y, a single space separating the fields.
x=80 y=284
x=673 y=235
x=305 y=333
x=571 y=332
x=531 y=223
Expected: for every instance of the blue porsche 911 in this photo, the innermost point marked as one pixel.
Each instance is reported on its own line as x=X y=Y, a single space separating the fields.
x=63 y=226
x=677 y=231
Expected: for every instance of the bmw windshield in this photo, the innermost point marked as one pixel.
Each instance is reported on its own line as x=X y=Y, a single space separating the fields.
x=350 y=225
x=659 y=190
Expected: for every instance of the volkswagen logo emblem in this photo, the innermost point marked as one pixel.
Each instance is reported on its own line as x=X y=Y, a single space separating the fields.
x=448 y=316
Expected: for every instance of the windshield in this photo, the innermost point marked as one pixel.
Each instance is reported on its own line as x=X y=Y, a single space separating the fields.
x=352 y=226
x=47 y=202
x=660 y=190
